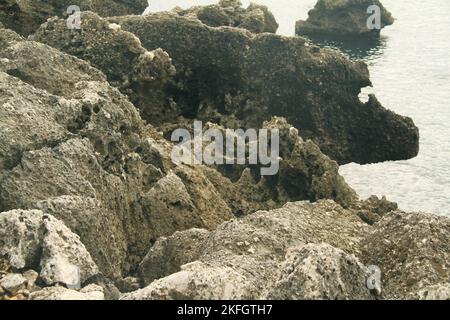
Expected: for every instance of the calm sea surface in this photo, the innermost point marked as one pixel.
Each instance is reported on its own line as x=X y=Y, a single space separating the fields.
x=410 y=71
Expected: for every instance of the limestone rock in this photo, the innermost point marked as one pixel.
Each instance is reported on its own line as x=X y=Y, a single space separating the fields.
x=135 y=71
x=65 y=259
x=436 y=292
x=25 y=17
x=196 y=281
x=168 y=254
x=97 y=226
x=128 y=284
x=31 y=277
x=237 y=79
x=249 y=250
x=412 y=251
x=13 y=283
x=346 y=18
x=319 y=271
x=19 y=238
x=32 y=238
x=91 y=292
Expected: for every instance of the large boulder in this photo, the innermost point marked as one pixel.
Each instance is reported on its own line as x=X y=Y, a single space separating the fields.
x=26 y=16
x=237 y=79
x=303 y=251
x=34 y=240
x=343 y=18
x=251 y=251
x=320 y=272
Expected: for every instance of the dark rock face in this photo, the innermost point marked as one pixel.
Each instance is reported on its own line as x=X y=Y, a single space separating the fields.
x=26 y=16
x=343 y=18
x=256 y=18
x=239 y=80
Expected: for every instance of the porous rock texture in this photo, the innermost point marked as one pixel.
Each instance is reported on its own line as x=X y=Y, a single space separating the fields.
x=255 y=18
x=75 y=148
x=32 y=239
x=250 y=251
x=87 y=181
x=412 y=251
x=302 y=251
x=343 y=18
x=25 y=16
x=239 y=79
x=139 y=73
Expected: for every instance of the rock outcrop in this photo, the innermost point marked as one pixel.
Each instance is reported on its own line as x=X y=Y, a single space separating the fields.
x=91 y=292
x=25 y=17
x=344 y=18
x=138 y=73
x=92 y=205
x=75 y=148
x=255 y=18
x=250 y=252
x=239 y=79
x=302 y=251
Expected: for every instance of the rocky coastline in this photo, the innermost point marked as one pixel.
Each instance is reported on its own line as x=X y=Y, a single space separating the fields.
x=92 y=207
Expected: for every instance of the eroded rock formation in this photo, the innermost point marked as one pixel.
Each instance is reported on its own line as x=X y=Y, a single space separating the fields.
x=25 y=16
x=302 y=251
x=344 y=18
x=255 y=18
x=87 y=180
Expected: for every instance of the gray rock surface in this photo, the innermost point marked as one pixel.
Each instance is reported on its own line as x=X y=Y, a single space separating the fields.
x=320 y=272
x=64 y=259
x=139 y=73
x=249 y=251
x=32 y=239
x=168 y=254
x=303 y=251
x=412 y=251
